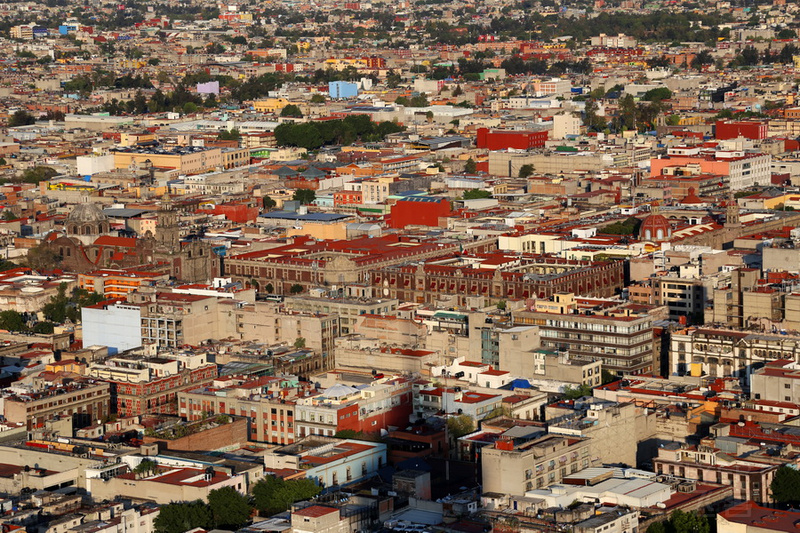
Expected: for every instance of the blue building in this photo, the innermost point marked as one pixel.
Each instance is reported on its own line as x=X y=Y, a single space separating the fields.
x=342 y=89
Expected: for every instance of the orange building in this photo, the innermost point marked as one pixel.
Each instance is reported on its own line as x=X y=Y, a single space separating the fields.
x=118 y=283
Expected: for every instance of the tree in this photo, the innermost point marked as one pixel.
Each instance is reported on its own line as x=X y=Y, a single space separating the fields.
x=268 y=288
x=273 y=495
x=180 y=517
x=12 y=321
x=470 y=167
x=573 y=393
x=229 y=509
x=38 y=173
x=145 y=468
x=317 y=98
x=268 y=202
x=189 y=108
x=785 y=486
x=300 y=343
x=474 y=194
x=525 y=171
x=458 y=426
x=304 y=196
x=21 y=118
x=660 y=93
x=229 y=135
x=296 y=288
x=291 y=110
x=42 y=258
x=418 y=101
x=44 y=328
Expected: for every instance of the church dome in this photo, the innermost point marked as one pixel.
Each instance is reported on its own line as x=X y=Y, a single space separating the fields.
x=88 y=221
x=655 y=227
x=86 y=212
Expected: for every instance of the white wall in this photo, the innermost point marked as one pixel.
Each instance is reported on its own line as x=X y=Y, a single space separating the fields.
x=89 y=165
x=117 y=326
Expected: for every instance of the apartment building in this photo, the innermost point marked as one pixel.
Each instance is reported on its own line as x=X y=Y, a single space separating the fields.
x=347 y=309
x=726 y=352
x=113 y=283
x=84 y=401
x=777 y=381
x=621 y=339
x=682 y=297
x=750 y=479
x=328 y=461
x=151 y=385
x=741 y=169
x=268 y=404
x=385 y=402
x=513 y=468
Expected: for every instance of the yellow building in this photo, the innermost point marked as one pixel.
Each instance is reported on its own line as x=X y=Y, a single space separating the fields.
x=270 y=105
x=185 y=159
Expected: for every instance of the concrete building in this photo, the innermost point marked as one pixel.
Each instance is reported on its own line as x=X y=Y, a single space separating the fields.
x=750 y=479
x=565 y=125
x=328 y=461
x=777 y=381
x=749 y=517
x=84 y=401
x=268 y=404
x=514 y=468
x=614 y=430
x=725 y=352
x=318 y=519
x=347 y=309
x=622 y=338
x=112 y=323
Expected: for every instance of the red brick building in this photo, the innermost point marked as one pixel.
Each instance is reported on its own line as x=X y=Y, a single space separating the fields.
x=425 y=283
x=729 y=129
x=504 y=139
x=159 y=395
x=420 y=211
x=347 y=198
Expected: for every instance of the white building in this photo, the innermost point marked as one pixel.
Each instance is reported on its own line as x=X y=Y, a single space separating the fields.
x=88 y=165
x=116 y=325
x=566 y=124
x=329 y=461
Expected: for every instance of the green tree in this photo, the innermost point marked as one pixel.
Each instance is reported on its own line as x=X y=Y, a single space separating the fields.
x=304 y=196
x=419 y=101
x=317 y=98
x=268 y=202
x=229 y=135
x=145 y=468
x=229 y=509
x=470 y=167
x=660 y=93
x=189 y=108
x=300 y=343
x=43 y=328
x=296 y=288
x=268 y=288
x=785 y=486
x=291 y=110
x=458 y=426
x=525 y=171
x=273 y=495
x=183 y=516
x=573 y=393
x=20 y=118
x=37 y=174
x=42 y=258
x=12 y=321
x=474 y=194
